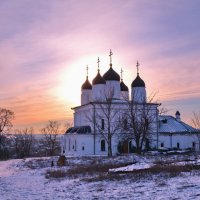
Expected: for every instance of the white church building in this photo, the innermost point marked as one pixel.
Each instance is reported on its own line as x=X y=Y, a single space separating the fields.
x=104 y=102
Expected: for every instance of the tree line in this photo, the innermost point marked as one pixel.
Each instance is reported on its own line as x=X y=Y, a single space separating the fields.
x=24 y=143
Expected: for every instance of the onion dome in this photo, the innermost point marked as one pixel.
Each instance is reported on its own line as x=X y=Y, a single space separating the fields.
x=123 y=87
x=98 y=79
x=177 y=113
x=138 y=82
x=111 y=75
x=86 y=85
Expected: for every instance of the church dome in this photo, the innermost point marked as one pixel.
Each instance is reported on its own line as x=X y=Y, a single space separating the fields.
x=111 y=75
x=138 y=82
x=86 y=85
x=98 y=80
x=123 y=87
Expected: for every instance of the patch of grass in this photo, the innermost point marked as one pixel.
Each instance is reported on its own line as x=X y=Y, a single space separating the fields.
x=163 y=171
x=93 y=169
x=59 y=173
x=100 y=170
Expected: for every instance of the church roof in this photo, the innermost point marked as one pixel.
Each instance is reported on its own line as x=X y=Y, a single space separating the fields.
x=111 y=75
x=98 y=79
x=123 y=87
x=138 y=82
x=79 y=130
x=86 y=85
x=169 y=124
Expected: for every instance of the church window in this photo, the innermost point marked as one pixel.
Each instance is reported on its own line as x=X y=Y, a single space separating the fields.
x=83 y=148
x=164 y=121
x=125 y=124
x=147 y=144
x=193 y=145
x=102 y=124
x=103 y=145
x=69 y=144
x=162 y=144
x=75 y=146
x=130 y=147
x=178 y=145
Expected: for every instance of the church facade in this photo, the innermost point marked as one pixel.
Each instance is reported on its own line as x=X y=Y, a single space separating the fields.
x=98 y=127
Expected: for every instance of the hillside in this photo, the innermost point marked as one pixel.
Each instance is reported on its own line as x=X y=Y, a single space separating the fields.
x=149 y=177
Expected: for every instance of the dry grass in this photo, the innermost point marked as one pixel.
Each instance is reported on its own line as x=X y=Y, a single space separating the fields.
x=94 y=169
x=97 y=169
x=100 y=172
x=55 y=173
x=163 y=171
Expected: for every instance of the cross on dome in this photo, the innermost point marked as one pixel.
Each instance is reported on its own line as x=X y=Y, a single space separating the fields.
x=137 y=65
x=98 y=61
x=111 y=53
x=87 y=71
x=121 y=74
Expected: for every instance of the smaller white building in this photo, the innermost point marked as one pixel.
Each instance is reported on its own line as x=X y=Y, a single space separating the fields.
x=175 y=134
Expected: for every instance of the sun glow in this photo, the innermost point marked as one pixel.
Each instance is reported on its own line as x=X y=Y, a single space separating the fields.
x=73 y=76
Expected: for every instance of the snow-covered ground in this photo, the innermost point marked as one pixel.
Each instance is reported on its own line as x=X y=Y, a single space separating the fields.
x=25 y=180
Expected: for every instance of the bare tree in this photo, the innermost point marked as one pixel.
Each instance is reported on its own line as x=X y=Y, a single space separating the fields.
x=49 y=140
x=196 y=123
x=6 y=117
x=23 y=141
x=105 y=118
x=139 y=122
x=66 y=126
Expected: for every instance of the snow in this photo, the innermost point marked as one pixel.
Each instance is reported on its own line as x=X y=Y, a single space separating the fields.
x=6 y=168
x=25 y=179
x=133 y=167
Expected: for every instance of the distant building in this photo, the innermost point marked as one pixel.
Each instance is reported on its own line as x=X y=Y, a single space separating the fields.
x=174 y=133
x=85 y=137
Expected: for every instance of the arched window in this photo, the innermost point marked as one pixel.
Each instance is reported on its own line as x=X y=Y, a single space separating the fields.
x=75 y=145
x=103 y=145
x=178 y=145
x=69 y=144
x=129 y=146
x=102 y=124
x=193 y=145
x=125 y=124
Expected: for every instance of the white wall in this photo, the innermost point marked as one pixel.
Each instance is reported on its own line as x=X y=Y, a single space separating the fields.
x=81 y=145
x=98 y=92
x=86 y=96
x=115 y=87
x=78 y=144
x=124 y=95
x=138 y=94
x=184 y=140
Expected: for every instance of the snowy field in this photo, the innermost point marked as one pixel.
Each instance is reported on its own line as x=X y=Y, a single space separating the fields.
x=28 y=180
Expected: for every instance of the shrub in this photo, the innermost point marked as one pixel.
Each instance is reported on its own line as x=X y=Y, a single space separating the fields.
x=61 y=161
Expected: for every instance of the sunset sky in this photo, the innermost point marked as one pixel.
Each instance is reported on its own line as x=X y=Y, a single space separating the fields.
x=46 y=45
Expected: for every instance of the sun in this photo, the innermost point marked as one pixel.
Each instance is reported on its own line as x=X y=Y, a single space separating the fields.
x=72 y=78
